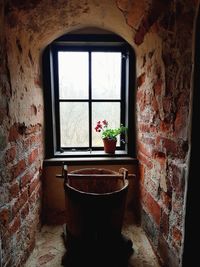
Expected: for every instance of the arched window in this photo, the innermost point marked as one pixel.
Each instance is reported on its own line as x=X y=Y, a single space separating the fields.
x=87 y=78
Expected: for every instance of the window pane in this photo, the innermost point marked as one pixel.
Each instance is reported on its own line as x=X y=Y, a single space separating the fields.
x=73 y=75
x=74 y=124
x=106 y=75
x=104 y=111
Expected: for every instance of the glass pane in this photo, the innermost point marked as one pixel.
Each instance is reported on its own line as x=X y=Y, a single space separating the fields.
x=106 y=75
x=74 y=124
x=104 y=111
x=73 y=75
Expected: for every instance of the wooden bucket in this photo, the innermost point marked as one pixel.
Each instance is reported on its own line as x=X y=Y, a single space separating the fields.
x=95 y=202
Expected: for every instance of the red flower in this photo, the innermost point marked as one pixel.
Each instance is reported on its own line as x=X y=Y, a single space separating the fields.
x=105 y=123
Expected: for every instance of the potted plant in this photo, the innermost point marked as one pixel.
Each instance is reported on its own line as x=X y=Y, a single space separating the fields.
x=109 y=135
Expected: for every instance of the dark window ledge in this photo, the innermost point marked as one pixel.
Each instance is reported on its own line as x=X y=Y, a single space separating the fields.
x=88 y=153
x=115 y=160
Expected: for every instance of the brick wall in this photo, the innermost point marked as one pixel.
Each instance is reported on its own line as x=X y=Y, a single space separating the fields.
x=161 y=33
x=164 y=70
x=26 y=28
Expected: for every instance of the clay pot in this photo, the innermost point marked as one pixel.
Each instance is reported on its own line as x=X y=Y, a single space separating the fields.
x=109 y=145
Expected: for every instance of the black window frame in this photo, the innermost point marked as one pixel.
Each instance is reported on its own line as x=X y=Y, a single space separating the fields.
x=88 y=43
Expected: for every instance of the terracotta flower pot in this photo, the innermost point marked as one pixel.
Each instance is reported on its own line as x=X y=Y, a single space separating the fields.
x=109 y=145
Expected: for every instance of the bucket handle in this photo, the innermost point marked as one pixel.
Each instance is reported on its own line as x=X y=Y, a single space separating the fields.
x=124 y=171
x=64 y=173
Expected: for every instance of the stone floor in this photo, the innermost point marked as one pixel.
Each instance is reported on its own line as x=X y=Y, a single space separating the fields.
x=50 y=248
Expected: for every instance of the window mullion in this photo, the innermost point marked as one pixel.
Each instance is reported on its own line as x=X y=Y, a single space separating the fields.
x=90 y=102
x=56 y=100
x=123 y=91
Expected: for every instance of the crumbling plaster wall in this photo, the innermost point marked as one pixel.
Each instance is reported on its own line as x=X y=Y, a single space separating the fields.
x=164 y=40
x=161 y=34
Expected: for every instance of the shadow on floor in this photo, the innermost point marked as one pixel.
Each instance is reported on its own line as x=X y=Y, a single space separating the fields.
x=50 y=248
x=103 y=250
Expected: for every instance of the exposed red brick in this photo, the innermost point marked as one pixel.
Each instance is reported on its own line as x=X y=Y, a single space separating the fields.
x=31 y=140
x=10 y=154
x=33 y=156
x=176 y=177
x=13 y=133
x=147 y=98
x=145 y=116
x=183 y=99
x=177 y=238
x=161 y=158
x=139 y=36
x=177 y=235
x=140 y=95
x=155 y=10
x=141 y=103
x=25 y=179
x=147 y=128
x=24 y=196
x=145 y=160
x=36 y=194
x=155 y=104
x=148 y=140
x=15 y=208
x=141 y=79
x=164 y=224
x=33 y=185
x=152 y=206
x=38 y=138
x=18 y=168
x=14 y=190
x=167 y=103
x=32 y=199
x=166 y=200
x=24 y=211
x=14 y=225
x=175 y=149
x=144 y=128
x=180 y=123
x=18 y=204
x=26 y=143
x=141 y=173
x=149 y=69
x=157 y=87
x=146 y=150
x=165 y=127
x=4 y=216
